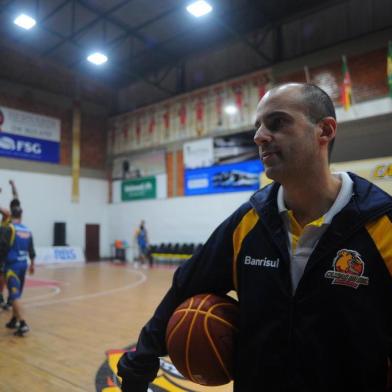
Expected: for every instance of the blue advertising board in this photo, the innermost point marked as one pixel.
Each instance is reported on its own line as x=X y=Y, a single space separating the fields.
x=25 y=135
x=17 y=146
x=233 y=177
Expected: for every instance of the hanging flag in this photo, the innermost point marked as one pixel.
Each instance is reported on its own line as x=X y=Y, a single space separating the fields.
x=261 y=84
x=389 y=68
x=199 y=114
x=113 y=137
x=166 y=122
x=138 y=130
x=346 y=87
x=151 y=124
x=182 y=115
x=218 y=105
x=125 y=129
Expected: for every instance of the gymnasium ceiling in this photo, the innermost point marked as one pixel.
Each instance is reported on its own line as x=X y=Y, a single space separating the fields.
x=154 y=41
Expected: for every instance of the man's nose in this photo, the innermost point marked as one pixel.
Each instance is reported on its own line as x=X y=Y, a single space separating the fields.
x=262 y=135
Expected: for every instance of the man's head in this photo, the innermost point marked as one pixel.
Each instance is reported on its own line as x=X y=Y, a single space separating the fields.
x=319 y=106
x=295 y=129
x=14 y=203
x=16 y=212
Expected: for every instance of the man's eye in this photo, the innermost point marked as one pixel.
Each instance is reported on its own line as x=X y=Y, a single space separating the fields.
x=276 y=124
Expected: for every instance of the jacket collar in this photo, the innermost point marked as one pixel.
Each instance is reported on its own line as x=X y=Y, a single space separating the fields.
x=368 y=201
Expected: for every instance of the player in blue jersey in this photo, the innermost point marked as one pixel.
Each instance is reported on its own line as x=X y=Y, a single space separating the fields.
x=142 y=242
x=5 y=221
x=17 y=247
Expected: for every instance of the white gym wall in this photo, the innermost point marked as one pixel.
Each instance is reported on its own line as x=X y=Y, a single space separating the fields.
x=46 y=198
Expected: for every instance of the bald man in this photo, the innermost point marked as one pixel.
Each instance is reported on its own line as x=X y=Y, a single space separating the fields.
x=317 y=316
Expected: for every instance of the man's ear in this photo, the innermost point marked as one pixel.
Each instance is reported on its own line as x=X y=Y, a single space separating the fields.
x=327 y=130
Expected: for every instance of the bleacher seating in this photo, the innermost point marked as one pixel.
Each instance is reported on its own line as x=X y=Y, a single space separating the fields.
x=172 y=253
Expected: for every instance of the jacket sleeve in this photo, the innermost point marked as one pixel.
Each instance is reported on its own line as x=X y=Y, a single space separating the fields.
x=209 y=270
x=31 y=248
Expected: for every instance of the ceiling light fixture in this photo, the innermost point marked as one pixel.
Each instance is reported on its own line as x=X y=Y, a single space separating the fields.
x=97 y=58
x=25 y=21
x=199 y=8
x=231 y=109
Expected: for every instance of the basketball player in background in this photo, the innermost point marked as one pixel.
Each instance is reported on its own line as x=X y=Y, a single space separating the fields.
x=15 y=202
x=5 y=221
x=16 y=247
x=310 y=257
x=142 y=243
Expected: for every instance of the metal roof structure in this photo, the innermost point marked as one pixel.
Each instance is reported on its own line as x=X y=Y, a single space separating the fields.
x=148 y=40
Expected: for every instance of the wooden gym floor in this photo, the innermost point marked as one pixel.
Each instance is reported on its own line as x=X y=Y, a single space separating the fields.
x=82 y=316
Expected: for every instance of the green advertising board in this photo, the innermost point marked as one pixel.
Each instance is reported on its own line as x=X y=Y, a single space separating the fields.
x=139 y=188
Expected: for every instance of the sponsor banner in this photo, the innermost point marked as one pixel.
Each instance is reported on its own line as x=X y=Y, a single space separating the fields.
x=59 y=254
x=199 y=153
x=28 y=124
x=383 y=171
x=237 y=147
x=376 y=170
x=138 y=189
x=232 y=148
x=142 y=165
x=242 y=176
x=16 y=146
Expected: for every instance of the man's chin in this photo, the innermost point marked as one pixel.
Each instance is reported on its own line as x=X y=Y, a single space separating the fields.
x=271 y=173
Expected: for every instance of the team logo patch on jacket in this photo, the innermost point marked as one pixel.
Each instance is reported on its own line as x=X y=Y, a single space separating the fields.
x=348 y=268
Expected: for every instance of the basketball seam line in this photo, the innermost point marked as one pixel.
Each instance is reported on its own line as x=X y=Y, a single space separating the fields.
x=212 y=342
x=181 y=320
x=186 y=311
x=189 y=338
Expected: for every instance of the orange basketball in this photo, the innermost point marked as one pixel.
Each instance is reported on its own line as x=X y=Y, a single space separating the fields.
x=200 y=338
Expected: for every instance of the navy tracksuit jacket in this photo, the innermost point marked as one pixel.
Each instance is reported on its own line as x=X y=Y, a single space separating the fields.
x=334 y=333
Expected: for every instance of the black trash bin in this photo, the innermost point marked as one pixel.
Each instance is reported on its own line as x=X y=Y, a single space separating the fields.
x=120 y=254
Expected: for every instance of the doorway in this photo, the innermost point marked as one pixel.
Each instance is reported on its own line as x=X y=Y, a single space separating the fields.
x=92 y=242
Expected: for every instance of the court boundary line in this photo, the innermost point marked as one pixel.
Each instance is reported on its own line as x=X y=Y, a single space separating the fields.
x=142 y=279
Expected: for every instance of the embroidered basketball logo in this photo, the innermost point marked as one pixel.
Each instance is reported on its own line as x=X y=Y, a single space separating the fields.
x=348 y=269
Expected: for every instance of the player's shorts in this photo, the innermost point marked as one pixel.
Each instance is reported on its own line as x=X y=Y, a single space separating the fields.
x=143 y=249
x=15 y=277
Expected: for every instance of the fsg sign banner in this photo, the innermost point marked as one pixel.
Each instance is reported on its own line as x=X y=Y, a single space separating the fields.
x=25 y=135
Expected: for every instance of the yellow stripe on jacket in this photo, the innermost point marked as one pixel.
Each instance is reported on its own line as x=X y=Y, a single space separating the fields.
x=381 y=232
x=247 y=223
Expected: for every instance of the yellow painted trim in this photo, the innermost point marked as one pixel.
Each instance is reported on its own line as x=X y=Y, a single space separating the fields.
x=247 y=223
x=381 y=233
x=172 y=255
x=166 y=385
